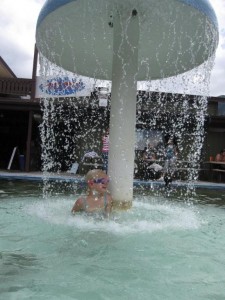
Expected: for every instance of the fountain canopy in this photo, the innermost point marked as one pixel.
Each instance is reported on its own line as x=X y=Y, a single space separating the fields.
x=175 y=35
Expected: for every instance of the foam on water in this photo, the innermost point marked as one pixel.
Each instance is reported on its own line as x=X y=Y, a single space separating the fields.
x=142 y=218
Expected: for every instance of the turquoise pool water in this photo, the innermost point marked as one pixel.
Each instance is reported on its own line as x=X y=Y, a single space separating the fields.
x=161 y=249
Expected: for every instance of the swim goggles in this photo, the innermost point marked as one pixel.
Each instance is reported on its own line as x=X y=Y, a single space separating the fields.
x=101 y=180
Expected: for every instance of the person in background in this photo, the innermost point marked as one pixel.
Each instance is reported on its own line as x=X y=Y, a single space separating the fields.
x=98 y=200
x=220 y=156
x=170 y=161
x=149 y=154
x=151 y=170
x=105 y=150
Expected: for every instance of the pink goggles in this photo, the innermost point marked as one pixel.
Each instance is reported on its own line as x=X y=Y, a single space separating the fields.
x=101 y=180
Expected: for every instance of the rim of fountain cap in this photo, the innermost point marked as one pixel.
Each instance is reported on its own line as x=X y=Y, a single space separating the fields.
x=203 y=5
x=162 y=52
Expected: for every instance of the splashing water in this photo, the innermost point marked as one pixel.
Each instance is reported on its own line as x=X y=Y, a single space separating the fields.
x=143 y=218
x=72 y=126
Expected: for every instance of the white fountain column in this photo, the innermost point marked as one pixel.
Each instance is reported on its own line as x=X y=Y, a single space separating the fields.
x=123 y=107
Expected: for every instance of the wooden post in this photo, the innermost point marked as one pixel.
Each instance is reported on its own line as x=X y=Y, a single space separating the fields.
x=34 y=73
x=29 y=135
x=30 y=117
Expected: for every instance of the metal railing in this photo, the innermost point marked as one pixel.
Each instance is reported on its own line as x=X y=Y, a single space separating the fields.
x=16 y=86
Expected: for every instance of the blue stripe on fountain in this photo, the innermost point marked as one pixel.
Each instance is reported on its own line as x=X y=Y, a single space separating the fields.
x=49 y=7
x=205 y=7
x=202 y=5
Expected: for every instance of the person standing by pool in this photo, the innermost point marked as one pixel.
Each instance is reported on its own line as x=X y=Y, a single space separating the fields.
x=105 y=150
x=151 y=169
x=98 y=200
x=170 y=161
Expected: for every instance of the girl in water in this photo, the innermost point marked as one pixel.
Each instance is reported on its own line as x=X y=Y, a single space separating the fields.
x=98 y=199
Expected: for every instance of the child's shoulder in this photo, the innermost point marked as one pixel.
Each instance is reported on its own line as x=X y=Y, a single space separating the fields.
x=78 y=205
x=80 y=201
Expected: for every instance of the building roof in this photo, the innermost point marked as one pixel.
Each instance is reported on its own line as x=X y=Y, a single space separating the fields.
x=5 y=70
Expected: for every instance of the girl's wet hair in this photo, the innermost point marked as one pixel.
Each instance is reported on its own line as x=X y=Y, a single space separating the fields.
x=96 y=173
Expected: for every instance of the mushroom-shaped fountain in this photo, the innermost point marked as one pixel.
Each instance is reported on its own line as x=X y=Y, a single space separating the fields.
x=125 y=41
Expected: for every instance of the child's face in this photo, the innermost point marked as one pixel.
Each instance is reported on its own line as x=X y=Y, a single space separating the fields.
x=100 y=183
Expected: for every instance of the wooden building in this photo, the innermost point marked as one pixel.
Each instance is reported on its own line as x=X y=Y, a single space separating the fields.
x=17 y=108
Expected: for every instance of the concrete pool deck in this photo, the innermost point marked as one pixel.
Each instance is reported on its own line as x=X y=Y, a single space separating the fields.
x=68 y=177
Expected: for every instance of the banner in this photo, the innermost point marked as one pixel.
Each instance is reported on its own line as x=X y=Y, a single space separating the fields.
x=63 y=86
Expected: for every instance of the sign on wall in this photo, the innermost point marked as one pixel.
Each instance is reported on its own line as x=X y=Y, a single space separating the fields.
x=63 y=86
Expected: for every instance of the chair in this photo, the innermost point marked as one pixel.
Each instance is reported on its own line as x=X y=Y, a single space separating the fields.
x=74 y=168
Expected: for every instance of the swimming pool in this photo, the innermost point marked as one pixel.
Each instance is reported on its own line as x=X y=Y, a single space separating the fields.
x=163 y=248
